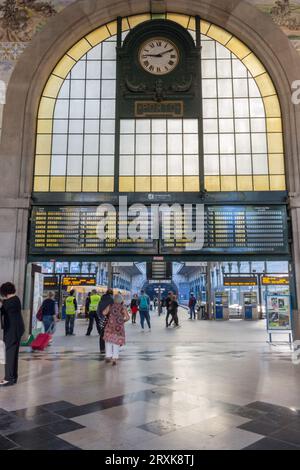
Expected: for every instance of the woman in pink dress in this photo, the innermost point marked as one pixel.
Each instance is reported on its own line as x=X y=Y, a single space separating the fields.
x=114 y=334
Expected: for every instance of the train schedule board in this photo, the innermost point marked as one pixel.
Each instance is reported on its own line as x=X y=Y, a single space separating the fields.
x=225 y=229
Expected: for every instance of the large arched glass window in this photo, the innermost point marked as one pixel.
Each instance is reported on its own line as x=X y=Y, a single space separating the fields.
x=242 y=127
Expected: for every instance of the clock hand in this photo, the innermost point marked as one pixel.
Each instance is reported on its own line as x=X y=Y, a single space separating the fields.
x=166 y=52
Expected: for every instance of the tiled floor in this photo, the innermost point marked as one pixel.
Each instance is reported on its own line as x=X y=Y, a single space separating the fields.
x=206 y=385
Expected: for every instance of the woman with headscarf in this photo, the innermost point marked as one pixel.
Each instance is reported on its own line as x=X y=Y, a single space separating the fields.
x=114 y=334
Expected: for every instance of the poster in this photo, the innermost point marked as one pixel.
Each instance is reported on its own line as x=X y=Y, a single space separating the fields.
x=279 y=312
x=37 y=298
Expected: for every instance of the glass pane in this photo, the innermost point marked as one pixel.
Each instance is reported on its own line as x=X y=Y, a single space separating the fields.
x=222 y=52
x=191 y=143
x=76 y=109
x=159 y=145
x=243 y=163
x=109 y=50
x=253 y=89
x=226 y=143
x=64 y=91
x=190 y=126
x=93 y=89
x=240 y=88
x=78 y=71
x=175 y=165
x=58 y=165
x=92 y=109
x=175 y=143
x=127 y=144
x=127 y=165
x=211 y=164
x=225 y=88
x=211 y=144
x=91 y=144
x=210 y=126
x=208 y=50
x=127 y=126
x=225 y=108
x=107 y=145
x=226 y=125
x=242 y=125
x=260 y=164
x=143 y=126
x=74 y=165
x=108 y=109
x=209 y=69
x=107 y=126
x=210 y=108
x=142 y=165
x=143 y=144
x=243 y=144
x=60 y=126
x=90 y=165
x=93 y=69
x=191 y=165
x=95 y=53
x=227 y=165
x=76 y=126
x=224 y=68
x=91 y=126
x=159 y=165
x=174 y=126
x=209 y=88
x=59 y=144
x=259 y=143
x=108 y=88
x=159 y=126
x=75 y=146
x=77 y=89
x=258 y=125
x=257 y=107
x=61 y=109
x=107 y=165
x=239 y=69
x=241 y=107
x=109 y=69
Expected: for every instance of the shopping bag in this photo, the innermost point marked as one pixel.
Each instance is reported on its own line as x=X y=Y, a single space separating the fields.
x=2 y=352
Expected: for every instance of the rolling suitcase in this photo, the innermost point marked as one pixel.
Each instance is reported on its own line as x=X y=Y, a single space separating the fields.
x=41 y=342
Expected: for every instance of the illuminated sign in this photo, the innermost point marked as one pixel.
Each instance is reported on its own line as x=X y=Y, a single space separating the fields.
x=50 y=282
x=275 y=280
x=240 y=281
x=75 y=281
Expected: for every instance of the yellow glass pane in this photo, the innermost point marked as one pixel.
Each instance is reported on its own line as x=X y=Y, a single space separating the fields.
x=265 y=85
x=41 y=184
x=261 y=183
x=212 y=183
x=158 y=16
x=112 y=28
x=142 y=184
x=277 y=183
x=204 y=25
x=126 y=184
x=274 y=125
x=90 y=184
x=64 y=66
x=191 y=184
x=53 y=86
x=43 y=144
x=58 y=184
x=244 y=183
x=183 y=20
x=254 y=65
x=81 y=48
x=272 y=106
x=159 y=184
x=276 y=164
x=98 y=36
x=238 y=48
x=137 y=19
x=175 y=183
x=228 y=183
x=125 y=24
x=106 y=184
x=44 y=126
x=46 y=108
x=42 y=165
x=219 y=34
x=275 y=143
x=73 y=183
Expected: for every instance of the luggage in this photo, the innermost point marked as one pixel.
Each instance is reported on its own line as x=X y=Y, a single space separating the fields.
x=41 y=342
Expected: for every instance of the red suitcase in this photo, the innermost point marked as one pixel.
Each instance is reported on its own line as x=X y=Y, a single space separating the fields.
x=41 y=342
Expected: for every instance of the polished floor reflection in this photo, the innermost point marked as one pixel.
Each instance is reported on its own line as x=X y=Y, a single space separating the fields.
x=206 y=385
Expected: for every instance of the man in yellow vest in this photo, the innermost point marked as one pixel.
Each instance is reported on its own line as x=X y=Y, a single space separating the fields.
x=94 y=301
x=71 y=308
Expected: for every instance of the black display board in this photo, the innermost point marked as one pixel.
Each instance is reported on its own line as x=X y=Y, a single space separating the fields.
x=227 y=229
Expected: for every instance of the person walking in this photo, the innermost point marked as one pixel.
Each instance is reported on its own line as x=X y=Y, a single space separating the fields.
x=192 y=306
x=134 y=307
x=144 y=307
x=71 y=308
x=114 y=334
x=13 y=329
x=49 y=312
x=173 y=310
x=94 y=302
x=106 y=300
x=168 y=301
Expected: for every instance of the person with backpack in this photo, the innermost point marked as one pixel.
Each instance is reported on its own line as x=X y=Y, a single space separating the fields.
x=71 y=308
x=144 y=307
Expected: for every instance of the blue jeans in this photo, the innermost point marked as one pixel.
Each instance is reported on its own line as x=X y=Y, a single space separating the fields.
x=145 y=315
x=192 y=312
x=48 y=322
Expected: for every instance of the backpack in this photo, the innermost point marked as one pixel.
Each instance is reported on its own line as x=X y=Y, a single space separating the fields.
x=144 y=303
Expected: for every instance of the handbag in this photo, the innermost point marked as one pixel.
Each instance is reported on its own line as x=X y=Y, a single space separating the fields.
x=2 y=352
x=39 y=315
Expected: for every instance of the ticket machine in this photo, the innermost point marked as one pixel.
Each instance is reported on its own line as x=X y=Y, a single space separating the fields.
x=221 y=306
x=250 y=310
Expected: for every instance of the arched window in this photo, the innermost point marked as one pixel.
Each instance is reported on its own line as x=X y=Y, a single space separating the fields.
x=242 y=126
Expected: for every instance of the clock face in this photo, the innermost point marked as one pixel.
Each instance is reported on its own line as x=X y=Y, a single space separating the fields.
x=158 y=56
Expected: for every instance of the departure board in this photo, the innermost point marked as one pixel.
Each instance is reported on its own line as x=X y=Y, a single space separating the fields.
x=222 y=229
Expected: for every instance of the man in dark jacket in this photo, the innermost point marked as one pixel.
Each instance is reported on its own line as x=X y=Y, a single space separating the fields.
x=106 y=300
x=13 y=330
